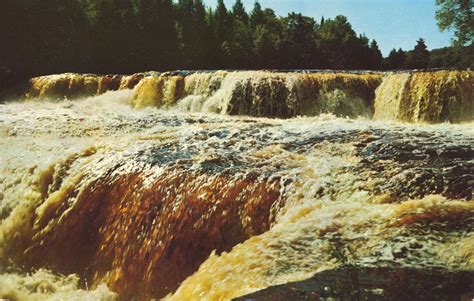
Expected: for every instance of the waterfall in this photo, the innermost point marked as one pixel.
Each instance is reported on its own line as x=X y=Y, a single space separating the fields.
x=430 y=96
x=73 y=86
x=265 y=94
x=176 y=185
x=426 y=97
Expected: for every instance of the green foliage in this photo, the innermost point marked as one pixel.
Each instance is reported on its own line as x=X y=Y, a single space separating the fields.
x=298 y=46
x=256 y=17
x=376 y=58
x=395 y=60
x=109 y=22
x=264 y=47
x=342 y=48
x=335 y=37
x=419 y=57
x=239 y=13
x=125 y=36
x=267 y=37
x=452 y=57
x=194 y=35
x=155 y=19
x=40 y=35
x=222 y=18
x=457 y=15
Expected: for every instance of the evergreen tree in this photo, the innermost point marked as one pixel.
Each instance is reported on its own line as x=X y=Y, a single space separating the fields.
x=360 y=52
x=124 y=36
x=111 y=23
x=402 y=59
x=454 y=57
x=298 y=44
x=376 y=58
x=339 y=44
x=195 y=40
x=40 y=36
x=419 y=57
x=241 y=43
x=390 y=61
x=222 y=21
x=239 y=13
x=395 y=60
x=155 y=21
x=222 y=32
x=264 y=48
x=267 y=37
x=256 y=17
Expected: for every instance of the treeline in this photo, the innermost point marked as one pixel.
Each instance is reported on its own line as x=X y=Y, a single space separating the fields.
x=420 y=58
x=125 y=36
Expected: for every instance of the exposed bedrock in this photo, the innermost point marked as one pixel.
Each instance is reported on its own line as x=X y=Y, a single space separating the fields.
x=356 y=283
x=418 y=164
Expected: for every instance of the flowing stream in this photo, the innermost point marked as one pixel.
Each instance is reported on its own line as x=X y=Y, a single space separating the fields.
x=214 y=185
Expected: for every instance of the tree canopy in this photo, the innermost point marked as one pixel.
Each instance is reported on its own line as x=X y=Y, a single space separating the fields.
x=419 y=58
x=118 y=36
x=457 y=15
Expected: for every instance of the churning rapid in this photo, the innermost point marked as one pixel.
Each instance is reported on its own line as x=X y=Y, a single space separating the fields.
x=218 y=185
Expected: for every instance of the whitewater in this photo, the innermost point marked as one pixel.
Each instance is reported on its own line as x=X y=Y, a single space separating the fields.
x=215 y=185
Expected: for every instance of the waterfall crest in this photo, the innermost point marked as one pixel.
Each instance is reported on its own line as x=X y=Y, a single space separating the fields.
x=430 y=97
x=411 y=96
x=263 y=94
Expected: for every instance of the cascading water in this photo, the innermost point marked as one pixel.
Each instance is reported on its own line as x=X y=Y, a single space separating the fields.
x=426 y=97
x=261 y=94
x=161 y=192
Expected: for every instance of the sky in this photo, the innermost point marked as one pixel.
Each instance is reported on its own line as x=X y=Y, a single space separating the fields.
x=392 y=23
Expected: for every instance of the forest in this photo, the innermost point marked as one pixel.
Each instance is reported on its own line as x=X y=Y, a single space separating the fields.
x=126 y=36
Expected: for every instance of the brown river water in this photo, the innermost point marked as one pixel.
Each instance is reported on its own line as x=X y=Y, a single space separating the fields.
x=214 y=185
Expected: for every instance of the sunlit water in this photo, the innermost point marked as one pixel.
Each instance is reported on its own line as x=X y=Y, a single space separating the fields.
x=335 y=196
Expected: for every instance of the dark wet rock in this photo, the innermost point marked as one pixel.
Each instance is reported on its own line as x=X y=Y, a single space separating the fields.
x=415 y=165
x=268 y=98
x=409 y=164
x=355 y=283
x=10 y=84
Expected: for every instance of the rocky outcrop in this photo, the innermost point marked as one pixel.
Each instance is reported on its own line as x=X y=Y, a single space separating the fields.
x=358 y=283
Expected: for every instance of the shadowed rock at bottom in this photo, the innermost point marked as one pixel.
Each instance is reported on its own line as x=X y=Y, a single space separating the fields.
x=356 y=283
